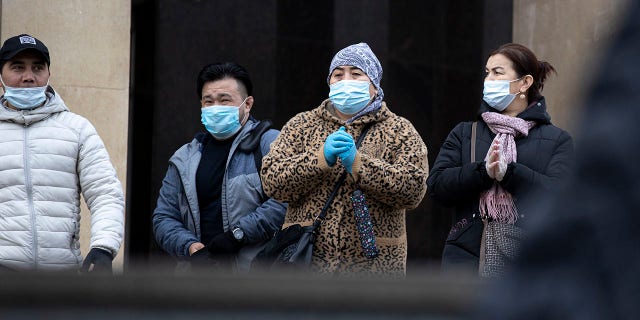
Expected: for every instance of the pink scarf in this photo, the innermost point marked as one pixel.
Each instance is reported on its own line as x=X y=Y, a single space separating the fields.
x=496 y=202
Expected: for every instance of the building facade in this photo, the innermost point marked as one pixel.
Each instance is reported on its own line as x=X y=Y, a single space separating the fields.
x=130 y=66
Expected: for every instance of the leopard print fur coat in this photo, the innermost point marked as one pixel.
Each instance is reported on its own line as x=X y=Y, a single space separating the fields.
x=390 y=167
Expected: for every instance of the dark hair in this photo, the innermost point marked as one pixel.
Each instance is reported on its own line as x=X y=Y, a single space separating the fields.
x=221 y=70
x=525 y=62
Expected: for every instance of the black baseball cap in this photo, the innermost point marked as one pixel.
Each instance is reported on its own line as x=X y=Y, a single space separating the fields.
x=17 y=44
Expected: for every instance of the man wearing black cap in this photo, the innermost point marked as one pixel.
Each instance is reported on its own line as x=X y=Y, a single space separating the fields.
x=48 y=155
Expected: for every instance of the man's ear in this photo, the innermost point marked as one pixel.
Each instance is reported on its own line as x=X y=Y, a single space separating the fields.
x=249 y=103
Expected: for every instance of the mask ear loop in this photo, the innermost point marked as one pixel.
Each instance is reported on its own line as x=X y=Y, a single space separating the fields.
x=246 y=116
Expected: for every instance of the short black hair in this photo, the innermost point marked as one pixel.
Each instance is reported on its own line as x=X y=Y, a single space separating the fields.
x=221 y=70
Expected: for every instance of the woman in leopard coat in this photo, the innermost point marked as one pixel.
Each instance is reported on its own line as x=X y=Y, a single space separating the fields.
x=390 y=167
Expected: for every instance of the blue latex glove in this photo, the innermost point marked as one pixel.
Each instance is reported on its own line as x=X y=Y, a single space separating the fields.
x=349 y=155
x=336 y=143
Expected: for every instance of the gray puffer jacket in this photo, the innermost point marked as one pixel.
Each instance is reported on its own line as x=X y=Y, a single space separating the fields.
x=47 y=157
x=176 y=219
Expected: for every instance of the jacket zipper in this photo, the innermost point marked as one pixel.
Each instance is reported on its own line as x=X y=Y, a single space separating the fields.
x=29 y=186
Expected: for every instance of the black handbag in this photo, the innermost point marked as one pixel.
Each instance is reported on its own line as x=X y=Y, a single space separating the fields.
x=292 y=247
x=500 y=241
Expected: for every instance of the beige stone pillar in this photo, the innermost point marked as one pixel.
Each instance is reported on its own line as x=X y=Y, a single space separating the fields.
x=571 y=35
x=89 y=44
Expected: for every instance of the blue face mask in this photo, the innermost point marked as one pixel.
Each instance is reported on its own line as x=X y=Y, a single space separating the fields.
x=222 y=121
x=497 y=93
x=350 y=96
x=25 y=98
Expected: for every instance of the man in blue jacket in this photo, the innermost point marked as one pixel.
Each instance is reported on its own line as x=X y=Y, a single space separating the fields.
x=211 y=208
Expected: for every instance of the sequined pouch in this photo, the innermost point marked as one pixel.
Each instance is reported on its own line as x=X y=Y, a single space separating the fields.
x=364 y=225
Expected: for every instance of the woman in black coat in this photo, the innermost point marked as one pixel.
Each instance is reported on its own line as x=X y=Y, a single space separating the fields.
x=528 y=155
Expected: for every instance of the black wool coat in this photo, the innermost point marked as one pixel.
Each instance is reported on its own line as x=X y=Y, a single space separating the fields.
x=544 y=162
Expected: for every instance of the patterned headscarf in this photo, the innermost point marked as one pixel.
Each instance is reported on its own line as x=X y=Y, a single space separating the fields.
x=360 y=56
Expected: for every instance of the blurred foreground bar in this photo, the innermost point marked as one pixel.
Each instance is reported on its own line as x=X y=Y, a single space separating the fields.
x=164 y=295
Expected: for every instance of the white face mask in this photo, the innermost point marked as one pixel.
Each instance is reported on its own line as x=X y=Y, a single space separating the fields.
x=25 y=98
x=497 y=93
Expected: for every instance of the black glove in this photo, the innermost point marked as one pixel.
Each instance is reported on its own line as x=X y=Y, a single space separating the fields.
x=206 y=261
x=201 y=257
x=224 y=243
x=98 y=261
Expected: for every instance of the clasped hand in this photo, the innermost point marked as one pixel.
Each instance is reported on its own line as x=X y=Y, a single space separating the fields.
x=340 y=144
x=495 y=162
x=218 y=252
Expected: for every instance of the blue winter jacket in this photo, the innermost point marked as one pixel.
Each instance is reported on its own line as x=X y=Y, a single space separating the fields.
x=176 y=219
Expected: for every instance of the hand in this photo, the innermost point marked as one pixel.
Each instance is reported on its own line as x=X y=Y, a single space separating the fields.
x=336 y=143
x=491 y=157
x=97 y=260
x=224 y=243
x=194 y=247
x=347 y=157
x=495 y=162
x=200 y=255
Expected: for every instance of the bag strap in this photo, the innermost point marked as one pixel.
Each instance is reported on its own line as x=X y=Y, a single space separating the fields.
x=483 y=238
x=474 y=127
x=323 y=213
